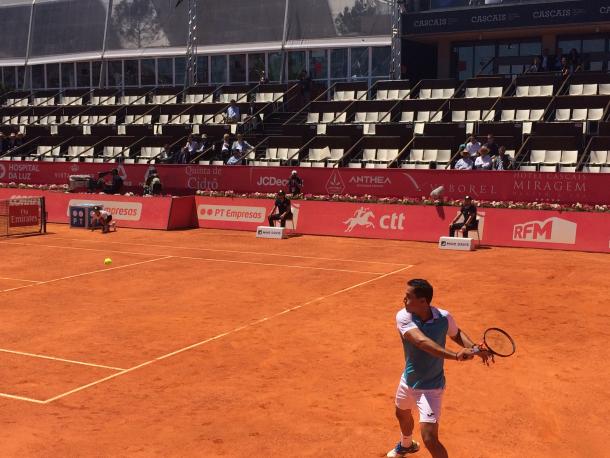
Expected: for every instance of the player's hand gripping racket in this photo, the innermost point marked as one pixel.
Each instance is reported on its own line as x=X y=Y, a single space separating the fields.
x=497 y=342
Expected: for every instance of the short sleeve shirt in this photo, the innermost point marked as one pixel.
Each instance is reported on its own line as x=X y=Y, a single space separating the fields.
x=282 y=206
x=422 y=370
x=468 y=210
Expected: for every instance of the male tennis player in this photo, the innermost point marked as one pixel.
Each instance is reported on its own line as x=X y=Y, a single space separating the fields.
x=423 y=329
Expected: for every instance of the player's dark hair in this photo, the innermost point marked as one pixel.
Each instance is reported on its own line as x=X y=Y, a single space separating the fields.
x=421 y=288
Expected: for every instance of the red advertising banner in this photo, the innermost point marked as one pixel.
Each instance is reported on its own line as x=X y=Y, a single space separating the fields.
x=499 y=227
x=134 y=212
x=23 y=215
x=591 y=188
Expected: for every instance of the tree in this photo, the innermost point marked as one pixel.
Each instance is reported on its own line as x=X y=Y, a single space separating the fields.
x=136 y=22
x=349 y=22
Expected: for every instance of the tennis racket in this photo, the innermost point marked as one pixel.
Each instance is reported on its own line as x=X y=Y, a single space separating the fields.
x=498 y=342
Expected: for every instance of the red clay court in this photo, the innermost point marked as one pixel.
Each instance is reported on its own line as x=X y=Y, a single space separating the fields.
x=210 y=343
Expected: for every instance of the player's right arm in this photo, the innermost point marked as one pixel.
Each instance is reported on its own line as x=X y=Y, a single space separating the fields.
x=419 y=340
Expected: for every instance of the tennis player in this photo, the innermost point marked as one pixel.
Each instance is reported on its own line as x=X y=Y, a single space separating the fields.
x=102 y=218
x=423 y=329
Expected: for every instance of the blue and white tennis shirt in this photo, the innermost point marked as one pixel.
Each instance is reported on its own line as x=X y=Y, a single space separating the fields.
x=424 y=371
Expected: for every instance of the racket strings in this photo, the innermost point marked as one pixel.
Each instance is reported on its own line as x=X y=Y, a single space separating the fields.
x=499 y=343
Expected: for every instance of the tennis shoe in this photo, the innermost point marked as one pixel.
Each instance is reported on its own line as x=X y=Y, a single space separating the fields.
x=399 y=450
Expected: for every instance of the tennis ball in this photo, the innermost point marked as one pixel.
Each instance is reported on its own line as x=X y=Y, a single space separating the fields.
x=107 y=261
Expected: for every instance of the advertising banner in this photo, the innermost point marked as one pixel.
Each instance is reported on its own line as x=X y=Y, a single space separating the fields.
x=565 y=188
x=499 y=227
x=538 y=14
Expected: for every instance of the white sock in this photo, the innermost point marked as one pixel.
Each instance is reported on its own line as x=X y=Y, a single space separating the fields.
x=406 y=441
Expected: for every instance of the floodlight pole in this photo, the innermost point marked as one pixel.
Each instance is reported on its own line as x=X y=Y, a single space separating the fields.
x=284 y=39
x=398 y=7
x=27 y=52
x=191 y=46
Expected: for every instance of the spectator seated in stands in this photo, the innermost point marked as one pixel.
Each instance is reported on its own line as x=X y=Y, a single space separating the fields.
x=113 y=187
x=503 y=161
x=468 y=215
x=235 y=158
x=263 y=78
x=189 y=150
x=491 y=145
x=255 y=119
x=483 y=161
x=3 y=142
x=473 y=146
x=232 y=114
x=166 y=156
x=152 y=186
x=465 y=162
x=12 y=141
x=284 y=210
x=225 y=147
x=241 y=145
x=295 y=184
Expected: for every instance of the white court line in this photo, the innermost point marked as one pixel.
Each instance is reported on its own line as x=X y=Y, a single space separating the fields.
x=22 y=398
x=224 y=334
x=54 y=358
x=234 y=251
x=289 y=266
x=19 y=279
x=83 y=274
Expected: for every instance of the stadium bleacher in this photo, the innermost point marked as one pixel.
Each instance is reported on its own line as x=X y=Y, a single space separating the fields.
x=546 y=122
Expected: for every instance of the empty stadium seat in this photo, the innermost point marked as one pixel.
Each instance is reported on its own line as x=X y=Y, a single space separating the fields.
x=103 y=100
x=483 y=92
x=392 y=94
x=199 y=98
x=599 y=157
x=165 y=99
x=534 y=91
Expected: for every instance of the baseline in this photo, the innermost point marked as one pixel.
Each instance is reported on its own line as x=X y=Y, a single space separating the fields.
x=224 y=334
x=234 y=251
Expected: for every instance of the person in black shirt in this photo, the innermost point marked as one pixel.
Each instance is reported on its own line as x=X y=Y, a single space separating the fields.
x=294 y=183
x=491 y=145
x=469 y=212
x=284 y=211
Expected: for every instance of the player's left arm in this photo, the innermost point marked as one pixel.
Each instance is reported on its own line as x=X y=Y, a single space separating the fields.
x=462 y=339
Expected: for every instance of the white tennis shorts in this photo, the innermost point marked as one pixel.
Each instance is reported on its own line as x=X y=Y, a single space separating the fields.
x=428 y=402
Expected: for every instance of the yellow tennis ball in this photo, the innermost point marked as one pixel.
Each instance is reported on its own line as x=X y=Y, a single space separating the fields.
x=107 y=261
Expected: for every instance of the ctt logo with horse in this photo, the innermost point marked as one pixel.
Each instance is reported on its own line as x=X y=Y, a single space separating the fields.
x=365 y=218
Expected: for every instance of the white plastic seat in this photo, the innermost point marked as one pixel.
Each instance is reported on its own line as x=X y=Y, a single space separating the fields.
x=336 y=154
x=483 y=92
x=496 y=91
x=382 y=94
x=425 y=93
x=369 y=154
x=473 y=115
x=282 y=154
x=576 y=89
x=407 y=165
x=312 y=118
x=537 y=156
x=605 y=169
x=548 y=168
x=579 y=114
x=589 y=89
x=416 y=155
x=443 y=156
x=507 y=115
x=470 y=92
x=604 y=89
x=562 y=114
x=407 y=116
x=566 y=168
x=599 y=157
x=437 y=117
x=437 y=93
x=528 y=168
x=552 y=157
x=327 y=117
x=522 y=91
x=430 y=155
x=595 y=114
x=536 y=115
x=423 y=116
x=569 y=157
x=458 y=116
